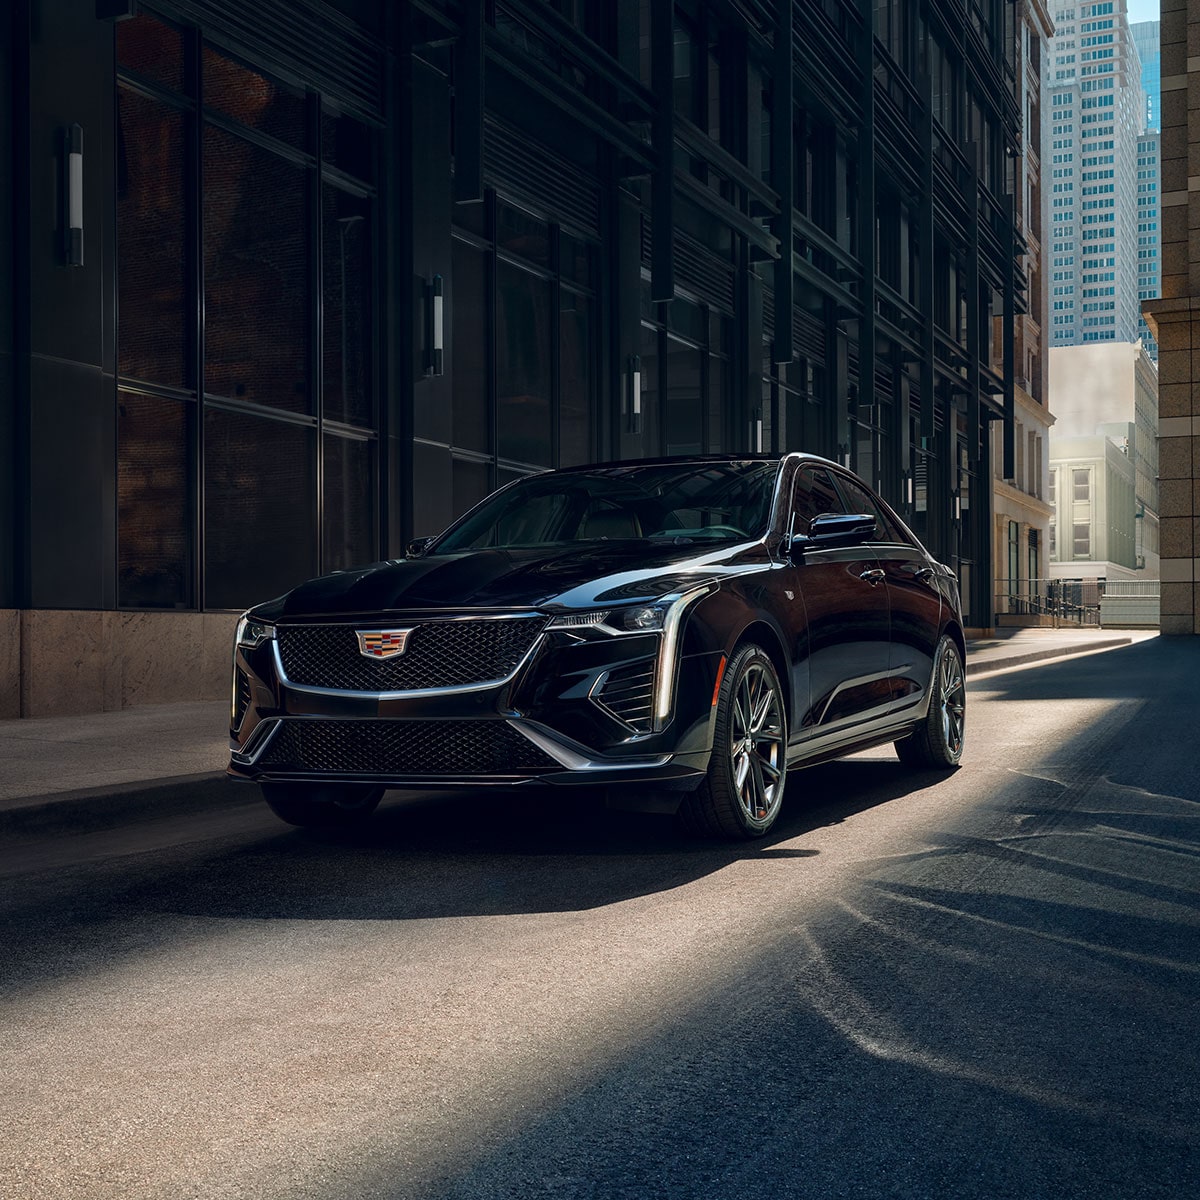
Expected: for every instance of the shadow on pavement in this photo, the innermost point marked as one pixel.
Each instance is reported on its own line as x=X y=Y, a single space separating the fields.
x=1009 y=1012
x=497 y=853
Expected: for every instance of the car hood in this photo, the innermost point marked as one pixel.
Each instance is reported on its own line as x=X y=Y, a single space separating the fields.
x=588 y=576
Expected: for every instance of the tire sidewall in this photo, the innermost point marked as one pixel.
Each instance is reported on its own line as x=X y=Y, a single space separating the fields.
x=742 y=659
x=952 y=757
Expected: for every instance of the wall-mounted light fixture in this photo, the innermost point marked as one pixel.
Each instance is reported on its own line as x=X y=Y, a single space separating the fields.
x=435 y=333
x=958 y=506
x=758 y=433
x=908 y=489
x=73 y=226
x=635 y=393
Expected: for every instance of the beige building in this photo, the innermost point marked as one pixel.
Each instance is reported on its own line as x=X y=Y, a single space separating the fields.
x=1020 y=509
x=1104 y=462
x=1175 y=318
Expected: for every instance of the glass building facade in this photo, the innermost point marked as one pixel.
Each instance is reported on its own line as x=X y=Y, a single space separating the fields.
x=646 y=229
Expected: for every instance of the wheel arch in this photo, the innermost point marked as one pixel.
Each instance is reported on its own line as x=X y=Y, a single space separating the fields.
x=953 y=630
x=764 y=635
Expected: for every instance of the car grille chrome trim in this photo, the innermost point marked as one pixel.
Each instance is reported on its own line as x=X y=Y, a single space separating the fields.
x=390 y=747
x=256 y=743
x=575 y=757
x=433 y=649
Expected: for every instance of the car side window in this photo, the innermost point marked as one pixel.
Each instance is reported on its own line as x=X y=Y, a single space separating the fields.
x=812 y=495
x=859 y=500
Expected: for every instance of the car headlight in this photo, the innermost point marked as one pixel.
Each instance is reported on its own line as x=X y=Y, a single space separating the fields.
x=664 y=617
x=643 y=618
x=251 y=633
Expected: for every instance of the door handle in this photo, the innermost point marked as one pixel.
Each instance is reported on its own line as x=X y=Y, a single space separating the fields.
x=923 y=573
x=874 y=576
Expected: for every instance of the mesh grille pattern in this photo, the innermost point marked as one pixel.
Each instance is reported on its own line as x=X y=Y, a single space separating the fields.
x=628 y=693
x=438 y=654
x=397 y=748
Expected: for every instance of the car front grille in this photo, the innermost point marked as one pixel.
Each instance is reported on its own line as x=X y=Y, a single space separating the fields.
x=400 y=748
x=438 y=654
x=628 y=693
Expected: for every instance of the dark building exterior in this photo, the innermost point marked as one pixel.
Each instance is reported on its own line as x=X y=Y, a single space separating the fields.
x=347 y=267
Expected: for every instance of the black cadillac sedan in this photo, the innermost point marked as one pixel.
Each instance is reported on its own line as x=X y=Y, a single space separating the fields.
x=692 y=629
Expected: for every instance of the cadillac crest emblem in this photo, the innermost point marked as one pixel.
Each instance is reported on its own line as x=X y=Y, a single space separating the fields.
x=381 y=643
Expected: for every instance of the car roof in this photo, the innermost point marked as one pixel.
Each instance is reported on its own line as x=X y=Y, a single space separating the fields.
x=695 y=459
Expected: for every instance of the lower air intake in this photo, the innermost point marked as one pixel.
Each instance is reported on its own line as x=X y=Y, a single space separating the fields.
x=396 y=748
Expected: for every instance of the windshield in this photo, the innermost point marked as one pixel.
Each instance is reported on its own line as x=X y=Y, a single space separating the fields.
x=685 y=502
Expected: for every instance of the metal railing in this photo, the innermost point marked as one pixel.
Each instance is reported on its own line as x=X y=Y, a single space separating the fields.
x=1063 y=601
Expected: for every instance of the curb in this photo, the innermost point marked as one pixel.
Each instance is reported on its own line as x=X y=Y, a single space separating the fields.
x=1019 y=660
x=90 y=810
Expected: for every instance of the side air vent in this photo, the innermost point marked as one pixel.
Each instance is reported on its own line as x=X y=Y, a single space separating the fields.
x=628 y=694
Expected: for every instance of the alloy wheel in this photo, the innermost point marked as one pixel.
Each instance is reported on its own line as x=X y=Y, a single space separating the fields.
x=756 y=745
x=954 y=701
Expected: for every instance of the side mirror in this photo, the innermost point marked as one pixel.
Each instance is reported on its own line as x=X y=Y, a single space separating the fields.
x=417 y=547
x=830 y=530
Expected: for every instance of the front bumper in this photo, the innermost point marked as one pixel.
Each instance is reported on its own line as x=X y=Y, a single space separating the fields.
x=547 y=724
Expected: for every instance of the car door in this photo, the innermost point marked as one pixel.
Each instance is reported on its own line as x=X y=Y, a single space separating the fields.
x=914 y=599
x=846 y=606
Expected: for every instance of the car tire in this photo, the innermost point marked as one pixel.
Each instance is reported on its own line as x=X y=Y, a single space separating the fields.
x=742 y=791
x=322 y=806
x=938 y=741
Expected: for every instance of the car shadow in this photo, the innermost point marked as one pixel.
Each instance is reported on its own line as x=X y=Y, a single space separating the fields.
x=499 y=852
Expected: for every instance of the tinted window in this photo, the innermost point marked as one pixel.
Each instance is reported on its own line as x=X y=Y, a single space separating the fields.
x=695 y=502
x=859 y=500
x=814 y=494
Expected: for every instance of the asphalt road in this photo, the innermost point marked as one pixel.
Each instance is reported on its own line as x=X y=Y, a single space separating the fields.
x=977 y=985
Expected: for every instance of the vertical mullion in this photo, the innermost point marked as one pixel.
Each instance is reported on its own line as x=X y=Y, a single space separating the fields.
x=556 y=342
x=492 y=301
x=317 y=313
x=195 y=220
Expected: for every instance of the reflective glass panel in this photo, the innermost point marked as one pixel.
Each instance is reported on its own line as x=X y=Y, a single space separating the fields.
x=524 y=341
x=253 y=99
x=259 y=488
x=152 y=49
x=348 y=538
x=151 y=242
x=575 y=380
x=346 y=285
x=154 y=544
x=467 y=311
x=256 y=285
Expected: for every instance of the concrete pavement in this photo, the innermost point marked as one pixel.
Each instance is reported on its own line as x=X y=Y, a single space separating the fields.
x=95 y=771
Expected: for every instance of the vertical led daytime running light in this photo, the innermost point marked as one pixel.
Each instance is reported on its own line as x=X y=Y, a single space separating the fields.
x=668 y=655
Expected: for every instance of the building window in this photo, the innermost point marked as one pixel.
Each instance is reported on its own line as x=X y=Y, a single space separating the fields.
x=1014 y=556
x=1082 y=483
x=685 y=360
x=230 y=418
x=523 y=346
x=1081 y=540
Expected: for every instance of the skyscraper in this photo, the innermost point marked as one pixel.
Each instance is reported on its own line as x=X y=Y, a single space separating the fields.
x=1148 y=264
x=1145 y=38
x=1091 y=124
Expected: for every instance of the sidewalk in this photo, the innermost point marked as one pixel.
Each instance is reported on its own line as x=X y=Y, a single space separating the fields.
x=91 y=772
